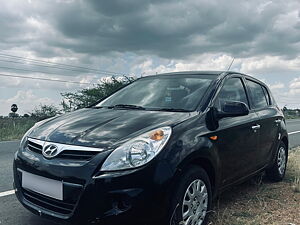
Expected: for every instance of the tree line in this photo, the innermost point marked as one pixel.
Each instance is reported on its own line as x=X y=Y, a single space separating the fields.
x=79 y=99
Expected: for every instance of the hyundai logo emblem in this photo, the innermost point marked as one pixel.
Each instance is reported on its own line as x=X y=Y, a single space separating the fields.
x=50 y=151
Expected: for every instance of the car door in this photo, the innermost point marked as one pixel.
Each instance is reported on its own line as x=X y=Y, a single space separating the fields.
x=237 y=136
x=269 y=120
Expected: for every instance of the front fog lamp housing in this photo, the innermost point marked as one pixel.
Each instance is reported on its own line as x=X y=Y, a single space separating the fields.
x=138 y=151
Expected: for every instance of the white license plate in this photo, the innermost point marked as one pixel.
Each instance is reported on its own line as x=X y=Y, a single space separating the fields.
x=42 y=185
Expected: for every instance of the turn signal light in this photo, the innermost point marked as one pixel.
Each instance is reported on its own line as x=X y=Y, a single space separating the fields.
x=157 y=135
x=214 y=138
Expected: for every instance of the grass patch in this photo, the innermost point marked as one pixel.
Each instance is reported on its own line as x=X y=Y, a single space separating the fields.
x=294 y=166
x=14 y=128
x=259 y=202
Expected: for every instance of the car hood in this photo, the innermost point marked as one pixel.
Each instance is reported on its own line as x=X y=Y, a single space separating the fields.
x=103 y=128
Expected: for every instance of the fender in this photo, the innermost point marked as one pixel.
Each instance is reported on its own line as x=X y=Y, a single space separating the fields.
x=192 y=146
x=282 y=136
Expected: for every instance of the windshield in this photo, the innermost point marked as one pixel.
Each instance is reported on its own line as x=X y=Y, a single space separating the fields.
x=182 y=93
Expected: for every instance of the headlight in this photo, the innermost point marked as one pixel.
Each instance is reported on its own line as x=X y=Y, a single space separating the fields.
x=138 y=151
x=24 y=138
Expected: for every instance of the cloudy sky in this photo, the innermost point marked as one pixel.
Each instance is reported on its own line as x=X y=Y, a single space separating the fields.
x=142 y=37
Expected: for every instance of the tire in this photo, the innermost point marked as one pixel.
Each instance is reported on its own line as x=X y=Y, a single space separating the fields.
x=277 y=171
x=197 y=203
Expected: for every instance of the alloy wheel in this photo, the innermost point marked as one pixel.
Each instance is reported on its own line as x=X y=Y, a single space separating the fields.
x=281 y=160
x=195 y=203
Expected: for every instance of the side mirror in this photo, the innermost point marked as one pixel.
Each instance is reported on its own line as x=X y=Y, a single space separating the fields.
x=232 y=109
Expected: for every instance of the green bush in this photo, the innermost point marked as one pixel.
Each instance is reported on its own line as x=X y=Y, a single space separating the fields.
x=14 y=128
x=88 y=96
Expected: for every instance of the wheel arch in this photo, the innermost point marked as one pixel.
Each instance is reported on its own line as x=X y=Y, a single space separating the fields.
x=203 y=162
x=285 y=141
x=207 y=165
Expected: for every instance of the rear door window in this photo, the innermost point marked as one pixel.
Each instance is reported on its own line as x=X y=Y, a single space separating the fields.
x=257 y=94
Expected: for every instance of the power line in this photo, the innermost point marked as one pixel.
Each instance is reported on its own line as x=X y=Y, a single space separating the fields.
x=44 y=79
x=55 y=67
x=33 y=71
x=57 y=64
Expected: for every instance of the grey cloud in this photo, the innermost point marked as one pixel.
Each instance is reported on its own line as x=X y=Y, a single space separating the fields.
x=119 y=7
x=169 y=29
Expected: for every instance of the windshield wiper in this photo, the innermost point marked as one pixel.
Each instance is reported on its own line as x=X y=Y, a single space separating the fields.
x=126 y=106
x=97 y=107
x=172 y=110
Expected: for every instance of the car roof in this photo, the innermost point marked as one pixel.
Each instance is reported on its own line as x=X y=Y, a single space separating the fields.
x=213 y=74
x=206 y=74
x=194 y=73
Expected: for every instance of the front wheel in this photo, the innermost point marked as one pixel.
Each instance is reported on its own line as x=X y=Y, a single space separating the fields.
x=277 y=171
x=192 y=198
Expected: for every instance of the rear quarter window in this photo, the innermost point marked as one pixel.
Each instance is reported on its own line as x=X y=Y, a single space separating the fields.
x=267 y=94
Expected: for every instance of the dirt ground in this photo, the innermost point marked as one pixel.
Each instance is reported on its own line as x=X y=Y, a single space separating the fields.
x=259 y=201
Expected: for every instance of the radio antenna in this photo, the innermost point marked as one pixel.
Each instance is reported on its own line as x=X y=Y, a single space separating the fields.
x=231 y=64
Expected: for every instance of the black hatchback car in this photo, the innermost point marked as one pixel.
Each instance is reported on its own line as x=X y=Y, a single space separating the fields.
x=159 y=149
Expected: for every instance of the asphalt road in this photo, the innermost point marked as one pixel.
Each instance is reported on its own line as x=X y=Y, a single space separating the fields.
x=12 y=213
x=294 y=138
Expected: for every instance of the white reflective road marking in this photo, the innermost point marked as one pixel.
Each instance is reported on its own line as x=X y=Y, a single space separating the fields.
x=6 y=193
x=294 y=132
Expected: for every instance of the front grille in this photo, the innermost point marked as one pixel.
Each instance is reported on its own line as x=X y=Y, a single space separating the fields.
x=34 y=147
x=48 y=203
x=71 y=153
x=78 y=155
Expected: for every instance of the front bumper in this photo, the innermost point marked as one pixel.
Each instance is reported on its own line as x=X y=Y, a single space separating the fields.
x=115 y=196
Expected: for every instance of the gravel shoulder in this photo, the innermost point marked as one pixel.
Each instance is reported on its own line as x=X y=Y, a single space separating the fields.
x=259 y=201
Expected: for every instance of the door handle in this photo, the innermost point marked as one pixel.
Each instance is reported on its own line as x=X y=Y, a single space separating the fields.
x=255 y=127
